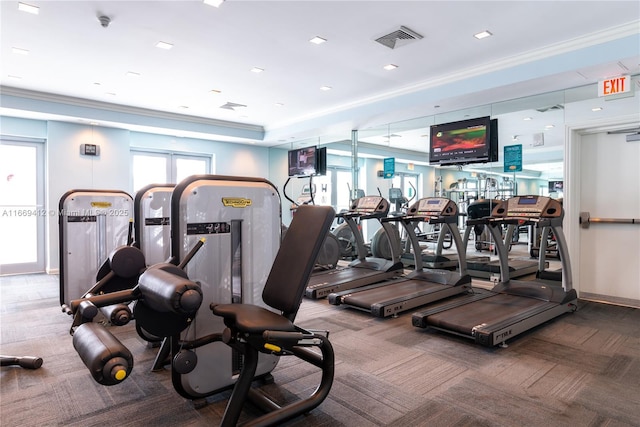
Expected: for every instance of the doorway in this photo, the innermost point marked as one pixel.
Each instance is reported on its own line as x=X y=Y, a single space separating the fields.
x=22 y=209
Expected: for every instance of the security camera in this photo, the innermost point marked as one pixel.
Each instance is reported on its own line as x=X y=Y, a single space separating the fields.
x=104 y=20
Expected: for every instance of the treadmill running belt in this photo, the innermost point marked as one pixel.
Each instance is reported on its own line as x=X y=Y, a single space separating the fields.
x=406 y=288
x=490 y=310
x=494 y=266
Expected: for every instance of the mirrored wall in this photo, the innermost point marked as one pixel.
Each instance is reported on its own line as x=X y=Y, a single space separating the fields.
x=535 y=123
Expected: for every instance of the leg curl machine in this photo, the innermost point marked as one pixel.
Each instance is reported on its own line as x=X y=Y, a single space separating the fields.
x=167 y=301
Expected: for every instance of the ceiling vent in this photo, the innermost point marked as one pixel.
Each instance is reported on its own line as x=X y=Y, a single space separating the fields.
x=232 y=106
x=551 y=108
x=399 y=38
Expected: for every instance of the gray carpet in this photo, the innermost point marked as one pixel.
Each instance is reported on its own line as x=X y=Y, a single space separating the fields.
x=582 y=369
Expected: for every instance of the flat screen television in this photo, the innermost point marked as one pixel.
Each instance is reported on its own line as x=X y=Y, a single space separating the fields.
x=555 y=186
x=302 y=161
x=307 y=161
x=464 y=142
x=321 y=161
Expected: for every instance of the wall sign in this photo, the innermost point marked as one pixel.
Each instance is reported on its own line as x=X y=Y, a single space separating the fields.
x=513 y=158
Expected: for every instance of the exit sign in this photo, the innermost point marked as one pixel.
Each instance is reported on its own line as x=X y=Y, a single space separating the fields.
x=614 y=86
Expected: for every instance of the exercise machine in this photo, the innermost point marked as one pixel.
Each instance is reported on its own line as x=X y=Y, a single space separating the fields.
x=330 y=252
x=486 y=268
x=92 y=223
x=364 y=270
x=511 y=307
x=253 y=329
x=152 y=222
x=168 y=302
x=422 y=286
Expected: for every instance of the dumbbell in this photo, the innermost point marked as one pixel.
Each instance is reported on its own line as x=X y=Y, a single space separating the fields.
x=27 y=362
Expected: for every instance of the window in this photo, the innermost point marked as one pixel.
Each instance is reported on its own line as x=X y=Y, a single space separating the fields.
x=149 y=167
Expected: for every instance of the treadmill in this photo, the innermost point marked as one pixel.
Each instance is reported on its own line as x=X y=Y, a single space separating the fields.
x=511 y=307
x=436 y=259
x=486 y=268
x=363 y=270
x=553 y=277
x=422 y=286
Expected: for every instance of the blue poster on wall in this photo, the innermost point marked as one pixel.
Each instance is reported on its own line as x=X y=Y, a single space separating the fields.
x=389 y=167
x=513 y=158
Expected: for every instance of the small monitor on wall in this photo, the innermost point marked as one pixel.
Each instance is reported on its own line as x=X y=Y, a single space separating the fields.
x=555 y=186
x=464 y=142
x=308 y=161
x=302 y=161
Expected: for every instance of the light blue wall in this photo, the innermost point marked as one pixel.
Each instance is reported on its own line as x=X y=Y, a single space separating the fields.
x=67 y=169
x=24 y=128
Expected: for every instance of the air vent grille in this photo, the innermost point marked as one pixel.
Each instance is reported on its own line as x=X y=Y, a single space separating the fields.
x=399 y=37
x=551 y=108
x=231 y=106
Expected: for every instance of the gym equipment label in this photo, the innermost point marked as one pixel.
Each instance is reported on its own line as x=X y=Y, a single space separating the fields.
x=208 y=228
x=157 y=221
x=236 y=202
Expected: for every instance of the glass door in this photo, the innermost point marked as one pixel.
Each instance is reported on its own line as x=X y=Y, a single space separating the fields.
x=22 y=212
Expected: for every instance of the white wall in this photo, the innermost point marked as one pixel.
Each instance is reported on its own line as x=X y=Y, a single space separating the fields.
x=67 y=169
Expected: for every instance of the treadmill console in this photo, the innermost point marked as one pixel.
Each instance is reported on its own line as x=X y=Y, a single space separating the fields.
x=433 y=206
x=369 y=205
x=528 y=207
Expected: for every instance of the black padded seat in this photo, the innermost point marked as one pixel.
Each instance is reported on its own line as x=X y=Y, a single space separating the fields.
x=253 y=319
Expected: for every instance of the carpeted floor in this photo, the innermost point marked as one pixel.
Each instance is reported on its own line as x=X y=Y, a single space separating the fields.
x=582 y=369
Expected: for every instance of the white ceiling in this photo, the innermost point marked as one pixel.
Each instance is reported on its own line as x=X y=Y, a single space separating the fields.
x=73 y=60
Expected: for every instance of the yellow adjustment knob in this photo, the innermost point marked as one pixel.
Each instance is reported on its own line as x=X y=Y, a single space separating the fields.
x=120 y=374
x=272 y=347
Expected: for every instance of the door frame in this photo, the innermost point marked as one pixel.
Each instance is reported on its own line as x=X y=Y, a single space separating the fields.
x=42 y=214
x=572 y=183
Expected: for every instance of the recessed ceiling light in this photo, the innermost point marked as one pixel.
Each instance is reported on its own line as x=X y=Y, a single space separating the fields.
x=257 y=70
x=14 y=77
x=527 y=119
x=549 y=126
x=110 y=93
x=215 y=91
x=279 y=104
x=596 y=109
x=28 y=8
x=317 y=40
x=325 y=88
x=214 y=3
x=94 y=123
x=164 y=45
x=19 y=51
x=184 y=107
x=132 y=74
x=483 y=34
x=390 y=67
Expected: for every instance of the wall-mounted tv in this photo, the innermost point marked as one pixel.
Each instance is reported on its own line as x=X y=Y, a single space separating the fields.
x=307 y=161
x=321 y=161
x=464 y=142
x=555 y=186
x=302 y=161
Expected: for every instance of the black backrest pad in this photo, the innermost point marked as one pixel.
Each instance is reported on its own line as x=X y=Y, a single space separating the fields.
x=296 y=257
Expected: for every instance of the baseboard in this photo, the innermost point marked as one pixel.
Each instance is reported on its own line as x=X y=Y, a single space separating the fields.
x=626 y=302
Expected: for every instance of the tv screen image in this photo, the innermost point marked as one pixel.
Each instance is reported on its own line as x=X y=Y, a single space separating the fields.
x=555 y=186
x=464 y=142
x=302 y=161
